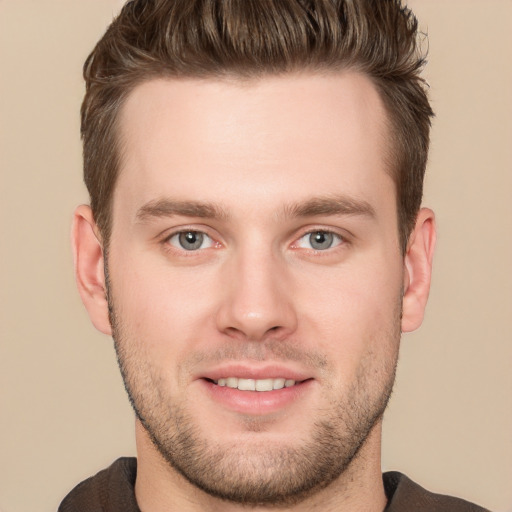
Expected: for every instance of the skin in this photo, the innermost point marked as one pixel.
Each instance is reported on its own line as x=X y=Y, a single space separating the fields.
x=273 y=159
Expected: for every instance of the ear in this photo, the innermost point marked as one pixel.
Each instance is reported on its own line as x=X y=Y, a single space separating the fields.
x=418 y=269
x=89 y=267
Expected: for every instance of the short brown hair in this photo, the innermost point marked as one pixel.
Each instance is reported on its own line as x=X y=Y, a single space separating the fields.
x=254 y=38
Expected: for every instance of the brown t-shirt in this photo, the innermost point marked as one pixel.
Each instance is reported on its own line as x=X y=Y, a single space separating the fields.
x=112 y=490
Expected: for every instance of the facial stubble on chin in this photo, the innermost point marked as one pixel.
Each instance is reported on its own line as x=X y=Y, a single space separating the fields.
x=259 y=473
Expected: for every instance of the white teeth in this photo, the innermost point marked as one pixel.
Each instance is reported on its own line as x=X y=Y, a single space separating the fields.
x=279 y=383
x=246 y=385
x=264 y=385
x=255 y=384
x=232 y=382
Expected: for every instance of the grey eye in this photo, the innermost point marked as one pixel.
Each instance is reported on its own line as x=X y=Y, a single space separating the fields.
x=320 y=240
x=190 y=240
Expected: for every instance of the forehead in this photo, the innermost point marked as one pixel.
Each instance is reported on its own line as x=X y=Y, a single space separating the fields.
x=291 y=133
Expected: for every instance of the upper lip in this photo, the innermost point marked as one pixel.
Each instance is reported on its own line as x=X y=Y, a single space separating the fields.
x=244 y=371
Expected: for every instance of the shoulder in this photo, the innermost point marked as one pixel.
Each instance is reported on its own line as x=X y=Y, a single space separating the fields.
x=404 y=496
x=112 y=489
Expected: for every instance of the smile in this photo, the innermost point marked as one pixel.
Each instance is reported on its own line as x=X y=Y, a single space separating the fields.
x=255 y=384
x=268 y=391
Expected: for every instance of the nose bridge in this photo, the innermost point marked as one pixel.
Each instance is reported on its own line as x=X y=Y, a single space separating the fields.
x=257 y=299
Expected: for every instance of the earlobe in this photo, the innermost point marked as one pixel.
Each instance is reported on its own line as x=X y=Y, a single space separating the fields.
x=89 y=267
x=418 y=270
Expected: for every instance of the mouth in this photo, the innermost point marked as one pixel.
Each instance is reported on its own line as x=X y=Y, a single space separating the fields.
x=261 y=385
x=256 y=390
x=257 y=396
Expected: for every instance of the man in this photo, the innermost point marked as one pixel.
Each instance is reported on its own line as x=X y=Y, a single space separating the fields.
x=255 y=246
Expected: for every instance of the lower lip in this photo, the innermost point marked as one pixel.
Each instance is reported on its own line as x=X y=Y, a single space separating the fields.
x=256 y=403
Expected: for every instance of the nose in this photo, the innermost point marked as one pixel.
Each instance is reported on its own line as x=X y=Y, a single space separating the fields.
x=257 y=298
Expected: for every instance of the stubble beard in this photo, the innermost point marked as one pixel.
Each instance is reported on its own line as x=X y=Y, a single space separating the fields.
x=258 y=473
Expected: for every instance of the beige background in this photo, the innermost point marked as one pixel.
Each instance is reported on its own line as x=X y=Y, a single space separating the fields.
x=63 y=413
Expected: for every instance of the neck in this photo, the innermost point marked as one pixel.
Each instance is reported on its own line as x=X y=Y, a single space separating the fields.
x=160 y=488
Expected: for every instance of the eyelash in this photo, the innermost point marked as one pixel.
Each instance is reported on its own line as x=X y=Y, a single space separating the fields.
x=342 y=241
x=166 y=242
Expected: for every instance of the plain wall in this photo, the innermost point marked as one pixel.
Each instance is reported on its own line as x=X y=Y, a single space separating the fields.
x=63 y=411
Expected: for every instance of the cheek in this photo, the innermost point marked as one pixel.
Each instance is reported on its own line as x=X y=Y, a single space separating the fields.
x=166 y=311
x=355 y=312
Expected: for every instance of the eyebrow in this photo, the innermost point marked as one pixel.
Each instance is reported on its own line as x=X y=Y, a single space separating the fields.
x=316 y=206
x=330 y=205
x=169 y=208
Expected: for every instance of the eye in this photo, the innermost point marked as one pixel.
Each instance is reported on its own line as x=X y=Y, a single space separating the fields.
x=319 y=240
x=190 y=240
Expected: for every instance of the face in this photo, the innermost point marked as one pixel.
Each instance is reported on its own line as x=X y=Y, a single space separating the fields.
x=255 y=278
